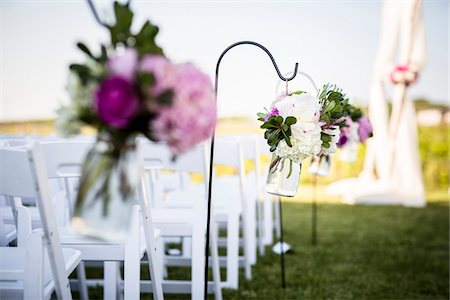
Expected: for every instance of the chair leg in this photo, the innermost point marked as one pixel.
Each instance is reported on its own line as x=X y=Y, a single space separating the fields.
x=198 y=253
x=82 y=287
x=186 y=247
x=252 y=231
x=111 y=273
x=215 y=262
x=132 y=264
x=260 y=217
x=233 y=249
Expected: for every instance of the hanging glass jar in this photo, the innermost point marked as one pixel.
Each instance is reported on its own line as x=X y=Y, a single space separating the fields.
x=320 y=165
x=283 y=177
x=348 y=152
x=110 y=176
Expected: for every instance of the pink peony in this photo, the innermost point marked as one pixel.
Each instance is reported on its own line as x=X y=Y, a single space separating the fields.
x=163 y=71
x=123 y=64
x=365 y=129
x=116 y=102
x=192 y=116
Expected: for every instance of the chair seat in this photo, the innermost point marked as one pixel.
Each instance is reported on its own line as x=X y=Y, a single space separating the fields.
x=10 y=233
x=92 y=248
x=173 y=222
x=14 y=289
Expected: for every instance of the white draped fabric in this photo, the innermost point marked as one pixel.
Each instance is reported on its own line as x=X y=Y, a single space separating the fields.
x=392 y=172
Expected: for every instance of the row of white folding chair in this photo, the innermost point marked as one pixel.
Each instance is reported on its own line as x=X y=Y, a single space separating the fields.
x=186 y=220
x=255 y=146
x=62 y=159
x=22 y=175
x=230 y=204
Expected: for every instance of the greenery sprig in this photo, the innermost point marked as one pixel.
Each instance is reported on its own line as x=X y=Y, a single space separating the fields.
x=277 y=129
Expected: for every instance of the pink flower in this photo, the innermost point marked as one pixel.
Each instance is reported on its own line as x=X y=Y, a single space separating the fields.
x=192 y=116
x=116 y=102
x=274 y=112
x=124 y=64
x=163 y=71
x=365 y=129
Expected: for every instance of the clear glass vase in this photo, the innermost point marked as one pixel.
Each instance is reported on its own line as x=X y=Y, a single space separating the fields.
x=106 y=192
x=283 y=177
x=348 y=152
x=320 y=165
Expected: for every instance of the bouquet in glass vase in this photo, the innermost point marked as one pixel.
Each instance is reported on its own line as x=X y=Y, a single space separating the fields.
x=128 y=89
x=298 y=126
x=356 y=131
x=335 y=109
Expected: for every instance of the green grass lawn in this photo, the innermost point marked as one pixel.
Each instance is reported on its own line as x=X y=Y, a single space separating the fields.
x=363 y=252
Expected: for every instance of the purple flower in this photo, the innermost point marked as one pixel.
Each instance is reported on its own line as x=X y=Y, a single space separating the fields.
x=123 y=64
x=344 y=137
x=365 y=129
x=192 y=116
x=116 y=102
x=274 y=112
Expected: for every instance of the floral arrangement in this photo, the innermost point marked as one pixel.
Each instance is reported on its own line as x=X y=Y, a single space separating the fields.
x=403 y=74
x=130 y=87
x=299 y=125
x=356 y=131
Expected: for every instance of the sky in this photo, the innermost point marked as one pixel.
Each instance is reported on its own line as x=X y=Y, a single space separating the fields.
x=333 y=41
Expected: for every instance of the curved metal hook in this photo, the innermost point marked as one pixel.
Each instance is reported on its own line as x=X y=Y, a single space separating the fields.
x=265 y=50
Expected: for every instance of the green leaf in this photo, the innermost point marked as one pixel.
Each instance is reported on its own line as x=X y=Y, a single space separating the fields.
x=166 y=97
x=268 y=125
x=86 y=50
x=279 y=120
x=290 y=120
x=298 y=93
x=104 y=55
x=145 y=80
x=261 y=115
x=273 y=137
x=121 y=30
x=326 y=145
x=325 y=137
x=329 y=106
x=287 y=139
x=145 y=40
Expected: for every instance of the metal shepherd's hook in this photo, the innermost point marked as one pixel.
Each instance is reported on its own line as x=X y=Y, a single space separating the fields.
x=211 y=162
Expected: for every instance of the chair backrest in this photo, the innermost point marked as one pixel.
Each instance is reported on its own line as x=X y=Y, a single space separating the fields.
x=64 y=158
x=158 y=155
x=23 y=174
x=23 y=263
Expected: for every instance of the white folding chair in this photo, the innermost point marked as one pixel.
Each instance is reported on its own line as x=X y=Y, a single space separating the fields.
x=8 y=232
x=63 y=160
x=22 y=174
x=232 y=191
x=185 y=217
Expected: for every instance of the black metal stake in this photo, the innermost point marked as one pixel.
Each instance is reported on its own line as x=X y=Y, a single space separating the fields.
x=314 y=212
x=216 y=86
